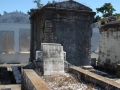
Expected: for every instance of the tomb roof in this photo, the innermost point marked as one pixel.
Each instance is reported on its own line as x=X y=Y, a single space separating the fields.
x=112 y=24
x=64 y=6
x=15 y=17
x=69 y=5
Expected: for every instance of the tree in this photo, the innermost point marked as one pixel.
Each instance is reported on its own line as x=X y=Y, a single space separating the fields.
x=0 y=15
x=117 y=16
x=97 y=18
x=28 y=12
x=16 y=11
x=39 y=5
x=53 y=1
x=106 y=10
x=5 y=12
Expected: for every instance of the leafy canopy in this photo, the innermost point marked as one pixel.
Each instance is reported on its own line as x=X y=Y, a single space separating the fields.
x=39 y=5
x=106 y=10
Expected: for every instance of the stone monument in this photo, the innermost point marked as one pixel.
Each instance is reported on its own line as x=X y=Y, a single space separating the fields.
x=53 y=58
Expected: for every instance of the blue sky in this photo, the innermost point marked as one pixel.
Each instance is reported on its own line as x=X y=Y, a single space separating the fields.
x=25 y=5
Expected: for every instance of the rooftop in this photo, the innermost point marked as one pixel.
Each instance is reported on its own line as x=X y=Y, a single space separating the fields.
x=64 y=6
x=113 y=23
x=15 y=17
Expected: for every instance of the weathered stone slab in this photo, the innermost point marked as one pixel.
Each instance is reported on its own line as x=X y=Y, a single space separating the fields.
x=53 y=58
x=87 y=67
x=39 y=55
x=64 y=55
x=31 y=81
x=90 y=77
x=49 y=44
x=17 y=74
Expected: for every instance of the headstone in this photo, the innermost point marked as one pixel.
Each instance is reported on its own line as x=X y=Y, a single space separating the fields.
x=53 y=58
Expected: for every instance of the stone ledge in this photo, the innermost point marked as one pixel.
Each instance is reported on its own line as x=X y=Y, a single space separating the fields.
x=94 y=78
x=31 y=81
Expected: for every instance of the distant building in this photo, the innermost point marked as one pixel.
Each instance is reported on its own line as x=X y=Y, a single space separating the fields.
x=95 y=41
x=109 y=47
x=14 y=38
x=95 y=37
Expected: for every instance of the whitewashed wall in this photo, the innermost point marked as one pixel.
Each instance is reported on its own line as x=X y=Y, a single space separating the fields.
x=14 y=38
x=95 y=37
x=95 y=40
x=14 y=43
x=109 y=55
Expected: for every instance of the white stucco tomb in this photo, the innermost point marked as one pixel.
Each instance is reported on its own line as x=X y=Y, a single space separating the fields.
x=14 y=38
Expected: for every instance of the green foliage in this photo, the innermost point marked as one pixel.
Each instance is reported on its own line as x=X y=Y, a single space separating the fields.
x=97 y=18
x=37 y=2
x=0 y=15
x=117 y=16
x=106 y=10
x=16 y=11
x=28 y=12
x=48 y=2
x=4 y=12
x=102 y=22
x=53 y=1
x=39 y=5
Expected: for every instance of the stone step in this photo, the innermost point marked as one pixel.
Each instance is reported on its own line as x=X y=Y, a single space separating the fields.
x=87 y=67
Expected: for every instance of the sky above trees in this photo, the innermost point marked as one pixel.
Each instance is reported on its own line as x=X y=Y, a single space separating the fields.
x=26 y=5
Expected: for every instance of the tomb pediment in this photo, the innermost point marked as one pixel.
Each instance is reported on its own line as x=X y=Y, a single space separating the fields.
x=68 y=5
